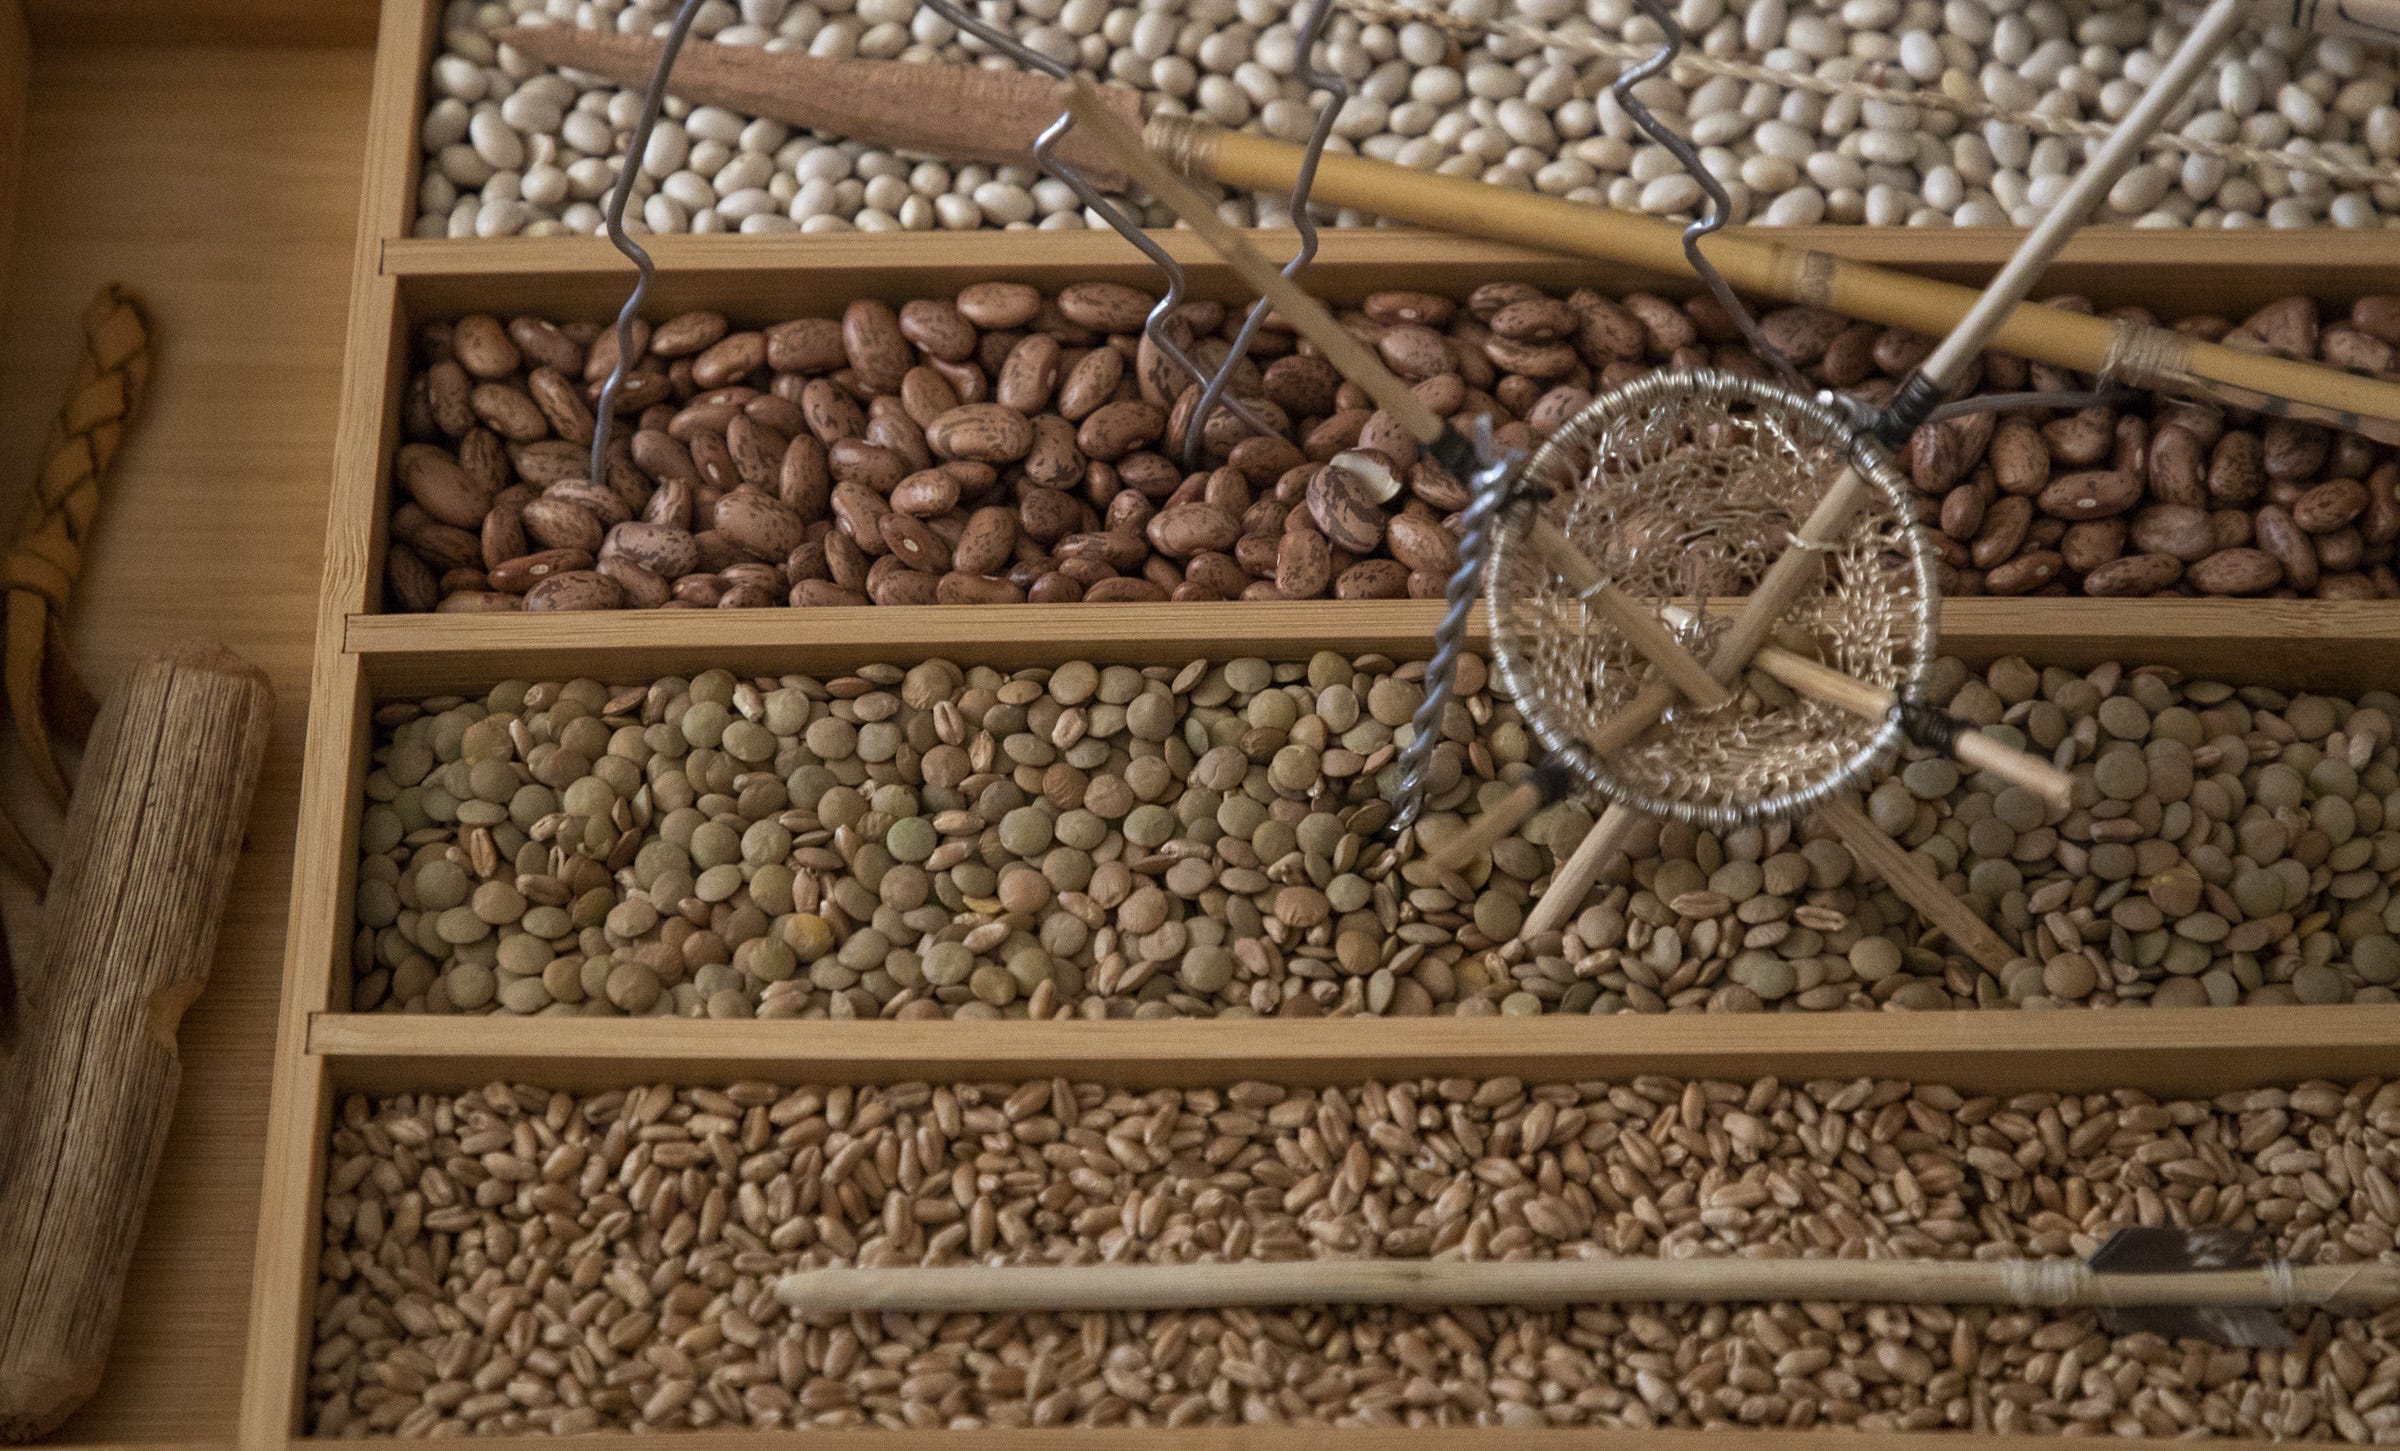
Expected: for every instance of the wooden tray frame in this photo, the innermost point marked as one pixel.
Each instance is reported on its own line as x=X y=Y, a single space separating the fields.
x=363 y=657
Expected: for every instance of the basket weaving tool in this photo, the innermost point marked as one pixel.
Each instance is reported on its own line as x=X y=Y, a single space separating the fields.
x=1494 y=484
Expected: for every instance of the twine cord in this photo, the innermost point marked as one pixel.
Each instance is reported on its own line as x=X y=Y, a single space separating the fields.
x=2046 y=1282
x=2356 y=174
x=2146 y=357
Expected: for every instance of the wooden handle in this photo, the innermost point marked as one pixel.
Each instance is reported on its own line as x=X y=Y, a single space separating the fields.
x=1916 y=884
x=964 y=112
x=127 y=932
x=1019 y=1288
x=1348 y=355
x=1820 y=681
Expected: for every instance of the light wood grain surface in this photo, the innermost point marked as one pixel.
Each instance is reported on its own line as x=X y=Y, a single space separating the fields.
x=221 y=186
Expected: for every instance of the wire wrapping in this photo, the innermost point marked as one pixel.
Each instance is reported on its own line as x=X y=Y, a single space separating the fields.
x=1304 y=181
x=604 y=411
x=1493 y=491
x=1045 y=153
x=1720 y=201
x=1928 y=724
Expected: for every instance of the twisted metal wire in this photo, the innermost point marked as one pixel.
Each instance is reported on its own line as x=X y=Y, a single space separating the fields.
x=654 y=99
x=1494 y=487
x=1720 y=201
x=1045 y=153
x=1304 y=182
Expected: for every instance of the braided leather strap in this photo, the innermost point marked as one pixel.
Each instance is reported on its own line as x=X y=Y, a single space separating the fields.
x=38 y=574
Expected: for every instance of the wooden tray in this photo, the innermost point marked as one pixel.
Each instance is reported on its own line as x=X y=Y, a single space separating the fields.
x=253 y=152
x=362 y=657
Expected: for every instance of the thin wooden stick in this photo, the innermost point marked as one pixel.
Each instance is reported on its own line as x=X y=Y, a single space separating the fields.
x=1947 y=365
x=1641 y=628
x=1915 y=885
x=2042 y=1282
x=1820 y=681
x=1573 y=878
x=2136 y=354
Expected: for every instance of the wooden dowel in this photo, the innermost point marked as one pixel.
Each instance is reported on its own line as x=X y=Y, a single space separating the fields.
x=1571 y=881
x=1349 y=356
x=1820 y=681
x=1025 y=1288
x=1484 y=832
x=884 y=103
x=1915 y=885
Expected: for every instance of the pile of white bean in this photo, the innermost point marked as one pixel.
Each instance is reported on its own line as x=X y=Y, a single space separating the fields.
x=512 y=148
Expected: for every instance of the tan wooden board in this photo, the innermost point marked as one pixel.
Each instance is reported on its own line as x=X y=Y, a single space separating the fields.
x=222 y=190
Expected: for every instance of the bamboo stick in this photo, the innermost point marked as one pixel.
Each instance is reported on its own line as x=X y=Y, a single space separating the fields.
x=2134 y=355
x=2046 y=1282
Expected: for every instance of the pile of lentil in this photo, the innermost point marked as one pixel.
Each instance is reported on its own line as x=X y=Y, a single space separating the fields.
x=1001 y=446
x=1206 y=840
x=519 y=1259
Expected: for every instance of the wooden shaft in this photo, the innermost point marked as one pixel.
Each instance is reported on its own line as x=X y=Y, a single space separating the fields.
x=1820 y=681
x=964 y=112
x=1572 y=879
x=1915 y=885
x=1349 y=356
x=1947 y=366
x=152 y=836
x=1504 y=816
x=1022 y=1288
x=1763 y=267
x=1640 y=627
